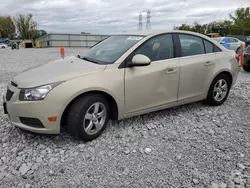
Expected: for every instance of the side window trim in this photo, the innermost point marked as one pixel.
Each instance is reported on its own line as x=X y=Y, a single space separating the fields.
x=177 y=44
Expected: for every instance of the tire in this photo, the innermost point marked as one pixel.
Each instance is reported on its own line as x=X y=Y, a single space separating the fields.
x=211 y=97
x=246 y=68
x=78 y=122
x=3 y=47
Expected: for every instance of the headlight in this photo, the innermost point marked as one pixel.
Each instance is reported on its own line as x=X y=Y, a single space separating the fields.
x=37 y=93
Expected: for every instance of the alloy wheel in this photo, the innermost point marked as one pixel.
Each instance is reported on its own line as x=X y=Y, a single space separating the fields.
x=95 y=118
x=220 y=90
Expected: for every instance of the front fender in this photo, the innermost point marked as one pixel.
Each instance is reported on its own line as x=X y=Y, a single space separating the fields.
x=107 y=82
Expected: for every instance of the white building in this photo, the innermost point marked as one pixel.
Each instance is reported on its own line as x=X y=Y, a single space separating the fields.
x=69 y=40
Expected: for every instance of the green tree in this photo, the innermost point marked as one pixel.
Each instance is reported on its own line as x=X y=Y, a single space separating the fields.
x=241 y=19
x=39 y=33
x=25 y=25
x=7 y=27
x=223 y=27
x=185 y=27
x=199 y=28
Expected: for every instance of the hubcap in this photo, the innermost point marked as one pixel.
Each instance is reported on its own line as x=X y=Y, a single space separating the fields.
x=95 y=118
x=220 y=90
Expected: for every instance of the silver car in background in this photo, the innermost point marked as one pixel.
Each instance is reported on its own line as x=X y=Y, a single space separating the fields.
x=231 y=43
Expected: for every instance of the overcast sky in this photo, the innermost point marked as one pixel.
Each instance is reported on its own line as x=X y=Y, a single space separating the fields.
x=114 y=16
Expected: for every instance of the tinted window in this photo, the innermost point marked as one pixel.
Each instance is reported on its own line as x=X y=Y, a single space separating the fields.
x=232 y=40
x=216 y=49
x=191 y=45
x=209 y=47
x=158 y=48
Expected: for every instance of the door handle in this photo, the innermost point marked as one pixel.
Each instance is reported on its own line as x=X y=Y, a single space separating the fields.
x=171 y=70
x=208 y=63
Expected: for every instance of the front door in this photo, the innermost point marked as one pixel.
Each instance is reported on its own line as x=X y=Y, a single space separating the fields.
x=196 y=66
x=156 y=84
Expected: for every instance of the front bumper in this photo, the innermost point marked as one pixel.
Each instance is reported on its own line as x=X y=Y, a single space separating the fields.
x=31 y=115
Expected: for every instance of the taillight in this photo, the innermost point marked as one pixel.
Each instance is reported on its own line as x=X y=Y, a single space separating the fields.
x=244 y=45
x=237 y=57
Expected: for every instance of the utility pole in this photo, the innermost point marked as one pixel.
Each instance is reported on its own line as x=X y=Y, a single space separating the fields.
x=148 y=25
x=140 y=22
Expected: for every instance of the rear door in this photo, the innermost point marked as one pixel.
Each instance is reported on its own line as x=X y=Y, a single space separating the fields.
x=197 y=62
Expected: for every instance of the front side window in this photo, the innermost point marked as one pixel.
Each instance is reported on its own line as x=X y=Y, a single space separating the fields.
x=110 y=49
x=191 y=45
x=158 y=48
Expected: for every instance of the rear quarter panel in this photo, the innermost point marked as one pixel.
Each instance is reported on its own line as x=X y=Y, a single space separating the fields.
x=225 y=61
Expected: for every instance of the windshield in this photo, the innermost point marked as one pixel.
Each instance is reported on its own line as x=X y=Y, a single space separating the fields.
x=110 y=49
x=241 y=37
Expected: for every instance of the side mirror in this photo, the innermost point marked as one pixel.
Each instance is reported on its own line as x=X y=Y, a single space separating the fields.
x=140 y=60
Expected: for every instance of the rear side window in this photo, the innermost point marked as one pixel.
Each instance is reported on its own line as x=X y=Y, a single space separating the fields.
x=191 y=45
x=232 y=40
x=216 y=49
x=210 y=48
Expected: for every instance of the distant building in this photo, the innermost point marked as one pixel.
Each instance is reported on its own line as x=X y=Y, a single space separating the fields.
x=69 y=40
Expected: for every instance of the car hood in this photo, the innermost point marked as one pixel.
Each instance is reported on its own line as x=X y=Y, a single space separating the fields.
x=56 y=71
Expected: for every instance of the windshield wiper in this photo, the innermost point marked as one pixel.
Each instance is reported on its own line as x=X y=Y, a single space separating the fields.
x=90 y=60
x=87 y=59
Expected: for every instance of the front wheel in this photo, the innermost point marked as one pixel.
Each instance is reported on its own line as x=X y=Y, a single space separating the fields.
x=88 y=116
x=219 y=90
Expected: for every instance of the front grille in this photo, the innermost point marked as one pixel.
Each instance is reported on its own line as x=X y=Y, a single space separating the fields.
x=13 y=84
x=9 y=94
x=33 y=122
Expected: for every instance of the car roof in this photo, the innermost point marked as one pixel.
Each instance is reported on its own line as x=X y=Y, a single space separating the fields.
x=156 y=32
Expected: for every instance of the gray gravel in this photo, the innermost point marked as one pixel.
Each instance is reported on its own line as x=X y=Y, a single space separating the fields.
x=188 y=146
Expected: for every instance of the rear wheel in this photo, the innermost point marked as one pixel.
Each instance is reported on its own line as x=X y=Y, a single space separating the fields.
x=219 y=90
x=88 y=116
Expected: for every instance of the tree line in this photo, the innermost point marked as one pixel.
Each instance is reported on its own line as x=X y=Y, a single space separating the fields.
x=237 y=24
x=21 y=27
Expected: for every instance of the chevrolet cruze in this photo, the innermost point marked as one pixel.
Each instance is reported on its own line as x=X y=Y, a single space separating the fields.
x=122 y=76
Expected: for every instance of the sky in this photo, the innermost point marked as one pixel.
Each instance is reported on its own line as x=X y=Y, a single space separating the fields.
x=117 y=16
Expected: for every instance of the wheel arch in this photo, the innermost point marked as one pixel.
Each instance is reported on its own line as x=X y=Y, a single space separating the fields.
x=226 y=72
x=109 y=97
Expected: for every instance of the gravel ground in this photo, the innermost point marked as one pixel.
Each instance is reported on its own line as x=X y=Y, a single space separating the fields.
x=189 y=146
